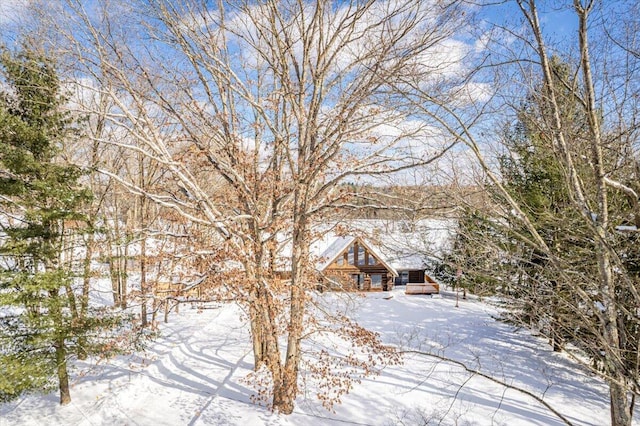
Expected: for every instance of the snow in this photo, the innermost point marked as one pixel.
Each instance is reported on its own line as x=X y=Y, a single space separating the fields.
x=403 y=245
x=627 y=228
x=330 y=253
x=399 y=244
x=410 y=245
x=194 y=374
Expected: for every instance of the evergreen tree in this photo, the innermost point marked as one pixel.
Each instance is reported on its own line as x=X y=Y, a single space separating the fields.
x=475 y=255
x=535 y=179
x=492 y=249
x=39 y=196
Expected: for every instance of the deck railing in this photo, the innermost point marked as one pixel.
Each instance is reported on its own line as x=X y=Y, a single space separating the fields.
x=422 y=288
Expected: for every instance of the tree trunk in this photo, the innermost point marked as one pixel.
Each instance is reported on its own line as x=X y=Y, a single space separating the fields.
x=63 y=375
x=143 y=281
x=257 y=333
x=155 y=305
x=285 y=395
x=115 y=262
x=556 y=324
x=618 y=392
x=141 y=212
x=60 y=348
x=123 y=258
x=84 y=300
x=621 y=413
x=620 y=402
x=114 y=280
x=66 y=262
x=264 y=330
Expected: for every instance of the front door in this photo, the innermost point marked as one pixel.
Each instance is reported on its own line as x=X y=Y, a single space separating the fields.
x=358 y=281
x=376 y=281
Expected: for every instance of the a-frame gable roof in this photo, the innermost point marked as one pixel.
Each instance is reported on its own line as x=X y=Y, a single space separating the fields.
x=341 y=244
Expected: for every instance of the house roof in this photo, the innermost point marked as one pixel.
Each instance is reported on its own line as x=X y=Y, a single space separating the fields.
x=340 y=244
x=329 y=255
x=412 y=245
x=401 y=245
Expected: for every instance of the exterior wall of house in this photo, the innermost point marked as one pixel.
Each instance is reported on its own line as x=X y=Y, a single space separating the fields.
x=357 y=269
x=417 y=282
x=416 y=276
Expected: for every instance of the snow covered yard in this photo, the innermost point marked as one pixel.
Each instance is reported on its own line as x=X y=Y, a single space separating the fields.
x=194 y=375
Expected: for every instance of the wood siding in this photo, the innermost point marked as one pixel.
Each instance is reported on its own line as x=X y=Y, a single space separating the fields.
x=357 y=269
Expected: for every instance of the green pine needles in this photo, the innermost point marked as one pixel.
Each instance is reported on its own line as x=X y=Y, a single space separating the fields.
x=41 y=209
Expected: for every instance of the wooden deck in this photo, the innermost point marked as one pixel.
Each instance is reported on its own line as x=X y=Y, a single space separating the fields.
x=422 y=288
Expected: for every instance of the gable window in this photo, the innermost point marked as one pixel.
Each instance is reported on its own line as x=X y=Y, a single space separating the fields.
x=340 y=260
x=372 y=260
x=361 y=258
x=350 y=256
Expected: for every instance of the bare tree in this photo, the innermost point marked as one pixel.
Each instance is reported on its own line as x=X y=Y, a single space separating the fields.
x=597 y=166
x=256 y=113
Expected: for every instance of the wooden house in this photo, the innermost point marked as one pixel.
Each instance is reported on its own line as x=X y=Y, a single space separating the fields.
x=350 y=263
x=418 y=282
x=412 y=274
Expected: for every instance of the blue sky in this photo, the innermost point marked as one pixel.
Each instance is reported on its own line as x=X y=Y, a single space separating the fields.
x=557 y=18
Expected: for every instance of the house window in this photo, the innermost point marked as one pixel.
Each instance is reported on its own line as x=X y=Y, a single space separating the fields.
x=376 y=280
x=361 y=258
x=416 y=276
x=350 y=256
x=358 y=281
x=372 y=260
x=340 y=260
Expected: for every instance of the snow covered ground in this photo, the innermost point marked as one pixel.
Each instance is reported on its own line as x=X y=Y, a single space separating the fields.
x=194 y=375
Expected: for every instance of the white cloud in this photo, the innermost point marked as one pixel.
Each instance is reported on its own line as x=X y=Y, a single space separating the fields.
x=11 y=11
x=82 y=92
x=471 y=93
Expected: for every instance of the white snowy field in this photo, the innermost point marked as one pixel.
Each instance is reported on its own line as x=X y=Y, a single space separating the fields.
x=194 y=375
